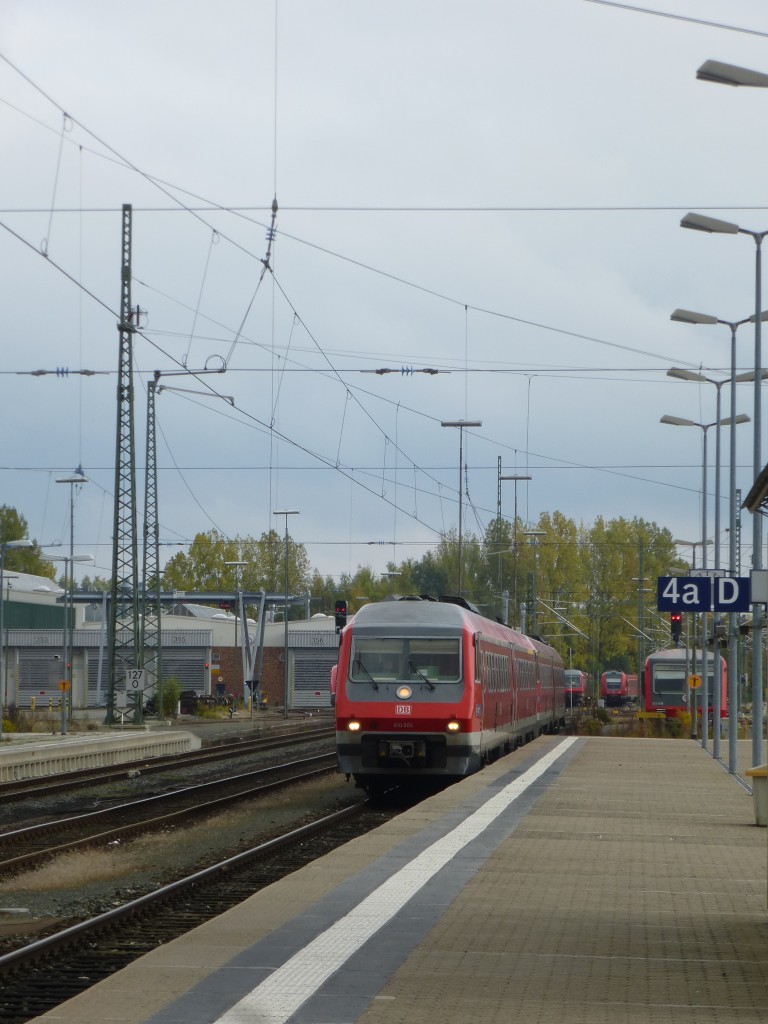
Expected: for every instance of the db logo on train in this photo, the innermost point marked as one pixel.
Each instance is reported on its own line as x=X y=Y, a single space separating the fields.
x=402 y=709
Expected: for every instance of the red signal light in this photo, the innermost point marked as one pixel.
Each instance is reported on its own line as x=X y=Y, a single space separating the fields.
x=676 y=625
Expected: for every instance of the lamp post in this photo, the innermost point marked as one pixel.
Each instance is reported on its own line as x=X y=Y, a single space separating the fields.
x=678 y=421
x=689 y=317
x=515 y=477
x=78 y=478
x=286 y=512
x=692 y=544
x=8 y=545
x=712 y=225
x=461 y=424
x=237 y=566
x=534 y=535
x=69 y=628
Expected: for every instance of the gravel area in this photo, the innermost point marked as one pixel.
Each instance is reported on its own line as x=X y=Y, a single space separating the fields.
x=80 y=885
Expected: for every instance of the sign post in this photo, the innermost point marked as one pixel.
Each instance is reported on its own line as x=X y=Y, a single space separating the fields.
x=63 y=685
x=135 y=681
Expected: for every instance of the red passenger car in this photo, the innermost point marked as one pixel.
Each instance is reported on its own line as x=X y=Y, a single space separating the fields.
x=617 y=689
x=433 y=690
x=665 y=681
x=576 y=684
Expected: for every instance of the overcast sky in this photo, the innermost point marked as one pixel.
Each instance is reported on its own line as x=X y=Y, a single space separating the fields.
x=492 y=189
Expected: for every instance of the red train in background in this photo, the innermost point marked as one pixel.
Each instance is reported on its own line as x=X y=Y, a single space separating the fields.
x=617 y=689
x=431 y=690
x=665 y=681
x=576 y=688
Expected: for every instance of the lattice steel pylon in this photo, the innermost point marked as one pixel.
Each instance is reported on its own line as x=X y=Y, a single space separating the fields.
x=150 y=650
x=124 y=639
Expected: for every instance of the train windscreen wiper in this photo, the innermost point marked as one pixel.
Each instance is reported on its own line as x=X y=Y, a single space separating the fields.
x=413 y=668
x=359 y=664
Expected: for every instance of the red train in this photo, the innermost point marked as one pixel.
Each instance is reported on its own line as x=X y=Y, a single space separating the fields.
x=665 y=681
x=576 y=688
x=431 y=690
x=617 y=689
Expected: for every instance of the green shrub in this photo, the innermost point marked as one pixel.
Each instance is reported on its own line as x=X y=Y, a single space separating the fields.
x=593 y=726
x=171 y=694
x=204 y=710
x=674 y=727
x=9 y=726
x=602 y=715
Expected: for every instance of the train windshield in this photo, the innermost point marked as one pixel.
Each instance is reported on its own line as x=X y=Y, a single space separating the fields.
x=668 y=683
x=385 y=659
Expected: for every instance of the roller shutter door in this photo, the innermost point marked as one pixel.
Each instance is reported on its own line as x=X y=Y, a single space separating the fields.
x=311 y=678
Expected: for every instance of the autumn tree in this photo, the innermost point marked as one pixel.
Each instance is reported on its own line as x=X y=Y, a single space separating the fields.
x=204 y=566
x=13 y=526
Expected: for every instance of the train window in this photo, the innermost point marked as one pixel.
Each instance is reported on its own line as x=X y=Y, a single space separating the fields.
x=384 y=659
x=439 y=660
x=376 y=658
x=668 y=682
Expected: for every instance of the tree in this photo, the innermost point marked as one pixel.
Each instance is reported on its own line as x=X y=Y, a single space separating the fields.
x=13 y=526
x=204 y=566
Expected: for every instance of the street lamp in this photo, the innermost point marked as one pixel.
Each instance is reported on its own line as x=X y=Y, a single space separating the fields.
x=286 y=512
x=534 y=535
x=712 y=225
x=692 y=544
x=731 y=421
x=515 y=477
x=237 y=566
x=8 y=545
x=730 y=74
x=69 y=629
x=78 y=478
x=461 y=424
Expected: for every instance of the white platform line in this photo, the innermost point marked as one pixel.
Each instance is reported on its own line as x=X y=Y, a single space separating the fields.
x=280 y=995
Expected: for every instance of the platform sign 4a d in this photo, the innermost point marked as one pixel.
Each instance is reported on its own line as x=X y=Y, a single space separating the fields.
x=684 y=593
x=703 y=593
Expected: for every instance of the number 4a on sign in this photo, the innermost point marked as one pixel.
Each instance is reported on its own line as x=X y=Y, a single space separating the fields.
x=687 y=591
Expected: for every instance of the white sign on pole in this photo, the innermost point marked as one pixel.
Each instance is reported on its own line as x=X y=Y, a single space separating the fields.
x=759 y=586
x=134 y=678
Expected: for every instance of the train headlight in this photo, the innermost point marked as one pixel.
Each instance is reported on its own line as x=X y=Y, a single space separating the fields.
x=404 y=692
x=453 y=726
x=353 y=726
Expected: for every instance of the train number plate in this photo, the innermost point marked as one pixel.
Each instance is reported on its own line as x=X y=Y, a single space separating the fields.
x=402 y=709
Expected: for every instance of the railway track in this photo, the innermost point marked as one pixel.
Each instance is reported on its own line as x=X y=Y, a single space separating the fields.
x=41 y=975
x=30 y=846
x=30 y=789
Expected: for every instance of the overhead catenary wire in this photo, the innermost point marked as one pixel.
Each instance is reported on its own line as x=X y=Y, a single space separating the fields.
x=263 y=270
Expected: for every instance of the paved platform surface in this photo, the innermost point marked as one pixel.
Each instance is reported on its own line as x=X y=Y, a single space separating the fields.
x=594 y=880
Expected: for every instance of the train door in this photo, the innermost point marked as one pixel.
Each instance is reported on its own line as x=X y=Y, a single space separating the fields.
x=477 y=682
x=538 y=695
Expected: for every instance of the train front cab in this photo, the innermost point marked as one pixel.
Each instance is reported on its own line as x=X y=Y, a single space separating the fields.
x=402 y=707
x=665 y=682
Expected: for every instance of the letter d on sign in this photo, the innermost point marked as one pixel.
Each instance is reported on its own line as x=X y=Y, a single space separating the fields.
x=732 y=594
x=727 y=591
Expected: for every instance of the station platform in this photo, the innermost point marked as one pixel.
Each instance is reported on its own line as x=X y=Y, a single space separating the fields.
x=37 y=756
x=576 y=880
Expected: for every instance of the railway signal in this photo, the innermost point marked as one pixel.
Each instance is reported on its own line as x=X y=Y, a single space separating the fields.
x=676 y=625
x=341 y=615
